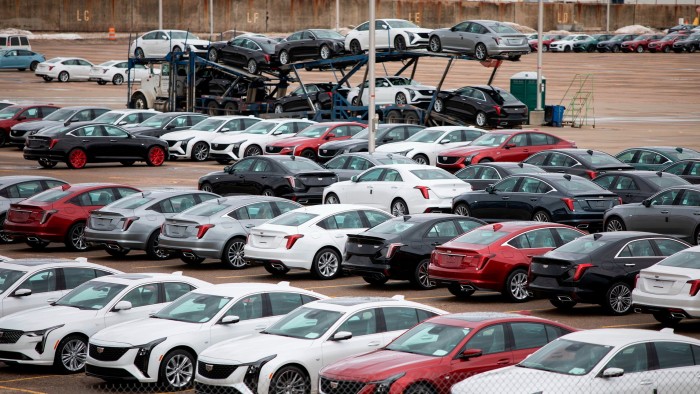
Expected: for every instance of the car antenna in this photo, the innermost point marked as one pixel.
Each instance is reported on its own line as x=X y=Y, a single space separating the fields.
x=597 y=236
x=679 y=149
x=520 y=164
x=590 y=152
x=659 y=173
x=406 y=217
x=567 y=177
x=294 y=157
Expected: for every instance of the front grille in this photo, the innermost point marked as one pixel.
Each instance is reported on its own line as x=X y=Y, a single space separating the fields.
x=215 y=371
x=219 y=146
x=107 y=353
x=329 y=386
x=422 y=35
x=273 y=149
x=103 y=372
x=10 y=336
x=426 y=92
x=200 y=388
x=447 y=159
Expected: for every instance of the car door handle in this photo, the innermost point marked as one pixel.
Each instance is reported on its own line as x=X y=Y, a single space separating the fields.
x=373 y=343
x=435 y=244
x=504 y=198
x=696 y=213
x=529 y=256
x=249 y=225
x=504 y=361
x=534 y=199
x=86 y=140
x=263 y=177
x=340 y=236
x=646 y=383
x=630 y=265
x=664 y=211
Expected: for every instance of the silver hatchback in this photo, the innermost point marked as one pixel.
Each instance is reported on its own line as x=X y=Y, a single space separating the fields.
x=218 y=229
x=134 y=222
x=480 y=38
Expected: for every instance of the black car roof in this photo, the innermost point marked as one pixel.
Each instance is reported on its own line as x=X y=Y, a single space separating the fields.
x=624 y=235
x=426 y=217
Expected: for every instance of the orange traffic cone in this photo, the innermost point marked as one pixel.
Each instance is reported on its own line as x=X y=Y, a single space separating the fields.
x=112 y=34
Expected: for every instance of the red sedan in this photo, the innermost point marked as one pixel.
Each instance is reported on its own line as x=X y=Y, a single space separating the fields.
x=59 y=214
x=666 y=44
x=501 y=145
x=441 y=351
x=546 y=40
x=14 y=114
x=496 y=257
x=640 y=43
x=306 y=142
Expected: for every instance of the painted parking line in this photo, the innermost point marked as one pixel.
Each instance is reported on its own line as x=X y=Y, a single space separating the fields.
x=151 y=266
x=32 y=378
x=628 y=325
x=332 y=286
x=242 y=276
x=522 y=311
x=21 y=390
x=427 y=298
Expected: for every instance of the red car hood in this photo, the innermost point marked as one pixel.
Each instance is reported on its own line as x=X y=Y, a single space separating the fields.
x=378 y=365
x=292 y=141
x=465 y=150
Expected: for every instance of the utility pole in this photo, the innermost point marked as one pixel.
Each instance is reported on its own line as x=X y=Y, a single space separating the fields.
x=371 y=125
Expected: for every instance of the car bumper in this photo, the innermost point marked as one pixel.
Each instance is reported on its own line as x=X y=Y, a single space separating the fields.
x=24 y=352
x=452 y=276
x=124 y=240
x=35 y=154
x=178 y=149
x=676 y=303
x=123 y=369
x=233 y=384
x=226 y=153
x=364 y=266
x=309 y=198
x=99 y=79
x=589 y=222
x=508 y=122
x=198 y=247
x=40 y=232
x=453 y=166
x=541 y=289
x=300 y=259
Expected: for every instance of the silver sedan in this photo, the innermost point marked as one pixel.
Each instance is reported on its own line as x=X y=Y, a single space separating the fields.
x=218 y=229
x=480 y=38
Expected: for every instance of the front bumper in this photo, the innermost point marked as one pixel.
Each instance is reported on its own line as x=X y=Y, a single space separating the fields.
x=24 y=351
x=235 y=383
x=225 y=151
x=179 y=149
x=125 y=367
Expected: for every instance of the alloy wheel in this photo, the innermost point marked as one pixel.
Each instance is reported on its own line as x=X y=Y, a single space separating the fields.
x=399 y=208
x=328 y=264
x=620 y=298
x=289 y=381
x=77 y=237
x=518 y=286
x=235 y=254
x=614 y=225
x=200 y=151
x=73 y=355
x=179 y=371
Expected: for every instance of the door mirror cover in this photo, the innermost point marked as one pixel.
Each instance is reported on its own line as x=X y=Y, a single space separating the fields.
x=122 y=306
x=230 y=320
x=22 y=292
x=342 y=335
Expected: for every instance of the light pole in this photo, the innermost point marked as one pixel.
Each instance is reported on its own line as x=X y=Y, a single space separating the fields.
x=607 y=17
x=337 y=15
x=540 y=22
x=160 y=14
x=211 y=19
x=370 y=63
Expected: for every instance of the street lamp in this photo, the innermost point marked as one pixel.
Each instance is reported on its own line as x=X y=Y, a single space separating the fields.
x=370 y=63
x=540 y=22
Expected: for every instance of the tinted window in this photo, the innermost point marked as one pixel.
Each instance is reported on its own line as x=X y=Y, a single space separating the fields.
x=244 y=165
x=142 y=295
x=674 y=355
x=683 y=259
x=283 y=303
x=625 y=183
x=631 y=359
x=337 y=163
x=177 y=204
x=668 y=247
x=359 y=164
x=626 y=157
x=528 y=335
x=175 y=290
x=376 y=218
x=534 y=239
x=23 y=190
x=361 y=323
x=467 y=225
x=690 y=198
x=443 y=230
x=392 y=176
x=400 y=318
x=567 y=235
x=468 y=173
x=640 y=248
x=481 y=236
x=260 y=210
x=95 y=198
x=529 y=185
x=490 y=340
x=506 y=185
x=676 y=169
x=346 y=220
x=371 y=175
x=75 y=277
x=250 y=307
x=41 y=282
x=293 y=219
x=665 y=198
x=540 y=139
x=285 y=206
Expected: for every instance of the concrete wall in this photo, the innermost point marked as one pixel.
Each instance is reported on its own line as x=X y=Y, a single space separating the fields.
x=290 y=15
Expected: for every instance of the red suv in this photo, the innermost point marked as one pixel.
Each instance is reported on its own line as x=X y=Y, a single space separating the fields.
x=496 y=257
x=10 y=116
x=666 y=44
x=640 y=43
x=306 y=142
x=441 y=351
x=59 y=214
x=501 y=145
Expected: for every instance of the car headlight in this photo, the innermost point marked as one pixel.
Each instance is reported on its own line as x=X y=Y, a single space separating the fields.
x=146 y=348
x=404 y=153
x=236 y=146
x=183 y=143
x=43 y=334
x=256 y=366
x=383 y=386
x=469 y=158
x=411 y=93
x=410 y=35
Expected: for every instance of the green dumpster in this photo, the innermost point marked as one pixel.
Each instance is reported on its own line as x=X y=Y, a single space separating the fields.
x=523 y=86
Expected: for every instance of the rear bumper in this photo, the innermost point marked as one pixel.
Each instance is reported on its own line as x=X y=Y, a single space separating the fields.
x=36 y=154
x=33 y=231
x=124 y=240
x=571 y=293
x=305 y=198
x=456 y=276
x=199 y=248
x=677 y=303
x=662 y=310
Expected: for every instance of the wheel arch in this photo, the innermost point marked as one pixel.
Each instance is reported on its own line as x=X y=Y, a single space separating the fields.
x=422 y=382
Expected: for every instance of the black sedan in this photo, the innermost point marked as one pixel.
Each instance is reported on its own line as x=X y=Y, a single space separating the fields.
x=310 y=44
x=483 y=106
x=348 y=165
x=689 y=44
x=614 y=44
x=319 y=93
x=253 y=53
x=400 y=248
x=296 y=178
x=586 y=163
x=687 y=169
x=637 y=186
x=560 y=198
x=157 y=125
x=78 y=145
x=479 y=176
x=385 y=133
x=598 y=268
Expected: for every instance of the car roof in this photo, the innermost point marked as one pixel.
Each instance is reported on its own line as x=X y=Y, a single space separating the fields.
x=619 y=337
x=135 y=279
x=426 y=217
x=518 y=225
x=174 y=114
x=281 y=121
x=451 y=128
x=661 y=148
x=345 y=304
x=24 y=106
x=624 y=235
x=163 y=193
x=551 y=176
x=327 y=209
x=235 y=289
x=642 y=173
x=79 y=187
x=9 y=179
x=407 y=167
x=47 y=261
x=515 y=131
x=81 y=107
x=230 y=117
x=477 y=318
x=503 y=164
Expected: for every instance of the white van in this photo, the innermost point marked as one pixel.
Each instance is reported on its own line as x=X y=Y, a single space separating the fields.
x=14 y=41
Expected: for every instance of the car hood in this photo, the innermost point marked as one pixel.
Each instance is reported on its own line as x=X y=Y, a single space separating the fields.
x=184 y=134
x=343 y=144
x=137 y=332
x=36 y=124
x=394 y=147
x=528 y=381
x=237 y=137
x=415 y=29
x=292 y=141
x=378 y=365
x=44 y=317
x=253 y=347
x=465 y=150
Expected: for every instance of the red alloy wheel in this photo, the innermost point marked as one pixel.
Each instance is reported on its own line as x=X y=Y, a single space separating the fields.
x=156 y=156
x=77 y=158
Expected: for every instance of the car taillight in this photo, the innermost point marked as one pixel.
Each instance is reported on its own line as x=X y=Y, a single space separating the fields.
x=267 y=58
x=619 y=201
x=46 y=215
x=51 y=67
x=569 y=203
x=498 y=110
x=483 y=259
x=53 y=143
x=694 y=287
x=497 y=39
x=292 y=239
x=127 y=222
x=292 y=181
x=636 y=279
x=591 y=174
x=580 y=269
x=424 y=190
x=202 y=229
x=104 y=71
x=392 y=249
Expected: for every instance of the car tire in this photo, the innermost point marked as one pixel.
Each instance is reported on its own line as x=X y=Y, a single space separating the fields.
x=101 y=83
x=400 y=99
x=77 y=158
x=616 y=49
x=541 y=216
x=435 y=45
x=456 y=290
x=462 y=209
x=439 y=106
x=200 y=151
x=63 y=76
x=331 y=198
x=284 y=57
x=639 y=49
x=252 y=66
x=590 y=49
x=279 y=109
x=355 y=47
x=562 y=305
x=667 y=49
x=515 y=289
x=421 y=159
x=267 y=192
x=545 y=48
x=480 y=52
x=213 y=108
x=309 y=154
x=400 y=43
x=356 y=102
x=193 y=261
x=232 y=255
x=326 y=264
x=230 y=108
x=515 y=58
x=127 y=163
x=207 y=187
x=176 y=49
x=692 y=49
x=420 y=278
x=411 y=117
x=325 y=52
x=71 y=354
x=117 y=79
x=697 y=236
x=375 y=280
x=290 y=379
x=567 y=48
x=138 y=101
x=213 y=55
x=252 y=150
x=138 y=53
x=153 y=251
x=47 y=79
x=37 y=245
x=116 y=252
x=75 y=237
x=485 y=160
x=32 y=65
x=666 y=319
x=4 y=238
x=615 y=224
x=276 y=272
x=177 y=370
x=480 y=119
x=398 y=207
x=155 y=156
x=618 y=299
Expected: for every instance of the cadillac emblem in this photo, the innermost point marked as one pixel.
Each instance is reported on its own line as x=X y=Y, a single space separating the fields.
x=208 y=367
x=100 y=350
x=334 y=385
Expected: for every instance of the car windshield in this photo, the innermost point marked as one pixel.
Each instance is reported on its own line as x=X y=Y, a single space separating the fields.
x=397 y=226
x=296 y=166
x=260 y=128
x=683 y=259
x=55 y=60
x=507 y=97
x=566 y=357
x=483 y=236
x=569 y=38
x=304 y=323
x=131 y=202
x=398 y=81
x=8 y=277
x=426 y=135
x=328 y=34
x=396 y=159
x=600 y=158
x=60 y=115
x=400 y=24
x=206 y=209
x=313 y=131
x=182 y=35
x=583 y=246
x=429 y=339
x=618 y=38
x=500 y=28
x=109 y=63
x=208 y=124
x=490 y=139
x=575 y=185
x=549 y=37
x=49 y=195
x=9 y=112
x=93 y=295
x=193 y=308
x=108 y=117
x=293 y=219
x=155 y=121
x=431 y=174
x=364 y=134
x=664 y=181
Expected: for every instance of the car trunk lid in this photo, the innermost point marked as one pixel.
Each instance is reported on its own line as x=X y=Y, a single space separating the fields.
x=270 y=236
x=666 y=281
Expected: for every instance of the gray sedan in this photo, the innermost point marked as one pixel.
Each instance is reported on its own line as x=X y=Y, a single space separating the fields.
x=349 y=164
x=134 y=222
x=480 y=38
x=674 y=211
x=15 y=188
x=218 y=228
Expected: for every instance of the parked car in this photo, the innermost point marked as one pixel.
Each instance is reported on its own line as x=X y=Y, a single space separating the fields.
x=253 y=140
x=482 y=39
x=14 y=41
x=400 y=248
x=306 y=142
x=295 y=348
x=64 y=69
x=321 y=231
x=158 y=43
x=674 y=211
x=58 y=334
x=636 y=186
x=586 y=163
x=6 y=103
x=666 y=44
x=397 y=34
x=442 y=350
x=567 y=43
x=115 y=71
x=163 y=348
x=16 y=114
x=685 y=27
x=605 y=360
x=424 y=146
x=253 y=53
x=688 y=44
x=500 y=145
x=546 y=40
x=30 y=283
x=384 y=133
x=400 y=189
x=125 y=117
x=320 y=94
x=688 y=169
x=560 y=198
x=348 y=165
x=218 y=228
x=615 y=43
x=195 y=143
x=77 y=145
x=598 y=269
x=640 y=43
x=392 y=90
x=484 y=106
x=310 y=44
x=160 y=124
x=21 y=59
x=59 y=214
x=590 y=44
x=655 y=158
x=15 y=188
x=481 y=175
x=19 y=132
x=496 y=257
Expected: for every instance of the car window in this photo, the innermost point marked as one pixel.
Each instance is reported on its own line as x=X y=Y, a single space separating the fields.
x=467 y=225
x=538 y=159
x=665 y=198
x=668 y=247
x=244 y=165
x=285 y=206
x=98 y=197
x=283 y=303
x=75 y=277
x=114 y=132
x=468 y=172
x=625 y=183
x=694 y=169
x=519 y=140
x=528 y=335
x=400 y=318
x=345 y=220
x=554 y=332
x=23 y=190
x=83 y=116
x=359 y=164
x=560 y=160
x=490 y=340
x=363 y=27
x=371 y=175
x=396 y=134
x=633 y=358
x=639 y=248
x=375 y=218
x=674 y=355
x=337 y=163
x=88 y=131
x=260 y=210
x=646 y=157
x=541 y=238
x=175 y=290
x=261 y=166
x=442 y=230
x=250 y=307
x=31 y=113
x=478 y=95
x=178 y=204
x=361 y=323
x=506 y=185
x=690 y=198
x=143 y=295
x=529 y=185
x=41 y=282
x=626 y=156
x=567 y=235
x=677 y=168
x=604 y=181
x=392 y=176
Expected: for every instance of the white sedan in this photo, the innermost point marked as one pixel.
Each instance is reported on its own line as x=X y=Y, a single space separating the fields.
x=158 y=43
x=392 y=90
x=396 y=34
x=608 y=360
x=58 y=334
x=195 y=143
x=116 y=71
x=424 y=146
x=64 y=69
x=164 y=347
x=309 y=238
x=566 y=44
x=288 y=355
x=399 y=189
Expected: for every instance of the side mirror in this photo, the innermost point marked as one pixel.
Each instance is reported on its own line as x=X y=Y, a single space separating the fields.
x=613 y=372
x=170 y=127
x=51 y=301
x=470 y=353
x=489 y=189
x=230 y=320
x=22 y=292
x=452 y=28
x=277 y=132
x=646 y=203
x=122 y=306
x=329 y=136
x=385 y=27
x=122 y=123
x=353 y=178
x=228 y=169
x=225 y=129
x=445 y=141
x=341 y=336
x=508 y=146
x=387 y=139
